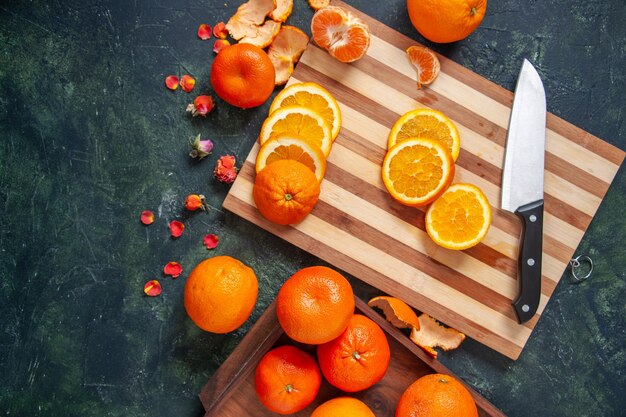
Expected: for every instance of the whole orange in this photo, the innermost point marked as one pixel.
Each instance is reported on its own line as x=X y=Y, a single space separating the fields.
x=287 y=379
x=286 y=191
x=315 y=305
x=344 y=407
x=436 y=395
x=358 y=358
x=446 y=20
x=220 y=294
x=243 y=75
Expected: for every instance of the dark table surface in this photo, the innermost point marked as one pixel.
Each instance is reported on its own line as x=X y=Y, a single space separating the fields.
x=90 y=137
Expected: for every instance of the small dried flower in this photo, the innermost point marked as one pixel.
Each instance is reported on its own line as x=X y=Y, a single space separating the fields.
x=174 y=269
x=201 y=106
x=195 y=202
x=211 y=241
x=187 y=83
x=220 y=31
x=152 y=288
x=200 y=148
x=225 y=170
x=176 y=228
x=204 y=32
x=219 y=45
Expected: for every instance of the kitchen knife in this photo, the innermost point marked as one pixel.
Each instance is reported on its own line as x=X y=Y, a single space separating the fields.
x=522 y=183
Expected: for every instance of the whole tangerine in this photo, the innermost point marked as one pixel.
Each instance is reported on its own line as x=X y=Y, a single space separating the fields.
x=220 y=294
x=287 y=380
x=446 y=21
x=344 y=407
x=243 y=75
x=436 y=395
x=315 y=305
x=358 y=358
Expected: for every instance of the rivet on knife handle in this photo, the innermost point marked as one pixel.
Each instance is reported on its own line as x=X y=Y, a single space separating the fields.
x=529 y=276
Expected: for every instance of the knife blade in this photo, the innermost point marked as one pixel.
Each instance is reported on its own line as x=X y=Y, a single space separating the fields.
x=522 y=183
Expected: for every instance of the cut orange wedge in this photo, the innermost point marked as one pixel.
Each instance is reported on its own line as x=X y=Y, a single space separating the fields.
x=431 y=334
x=396 y=311
x=425 y=62
x=417 y=171
x=426 y=123
x=298 y=121
x=342 y=34
x=313 y=96
x=285 y=146
x=460 y=218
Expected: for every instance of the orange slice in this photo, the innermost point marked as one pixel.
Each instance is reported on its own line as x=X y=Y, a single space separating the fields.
x=285 y=146
x=425 y=62
x=248 y=17
x=426 y=123
x=301 y=122
x=417 y=171
x=460 y=218
x=286 y=50
x=282 y=11
x=264 y=36
x=342 y=34
x=313 y=96
x=396 y=311
x=430 y=334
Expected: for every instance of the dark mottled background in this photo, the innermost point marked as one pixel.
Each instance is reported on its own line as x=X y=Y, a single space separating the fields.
x=89 y=137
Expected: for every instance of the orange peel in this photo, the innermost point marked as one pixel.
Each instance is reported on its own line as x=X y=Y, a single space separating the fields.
x=286 y=50
x=265 y=34
x=396 y=311
x=432 y=334
x=318 y=4
x=248 y=17
x=282 y=11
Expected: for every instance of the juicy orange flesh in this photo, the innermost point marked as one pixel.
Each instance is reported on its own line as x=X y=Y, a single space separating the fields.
x=415 y=171
x=315 y=102
x=302 y=125
x=457 y=216
x=426 y=126
x=424 y=61
x=325 y=26
x=350 y=44
x=293 y=152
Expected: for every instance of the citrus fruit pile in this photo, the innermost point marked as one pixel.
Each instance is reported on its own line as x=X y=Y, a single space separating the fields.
x=296 y=138
x=418 y=170
x=315 y=306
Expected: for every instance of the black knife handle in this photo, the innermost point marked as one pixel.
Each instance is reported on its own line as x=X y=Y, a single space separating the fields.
x=529 y=276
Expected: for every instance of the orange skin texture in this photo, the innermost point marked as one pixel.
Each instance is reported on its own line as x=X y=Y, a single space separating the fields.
x=446 y=21
x=343 y=407
x=220 y=294
x=287 y=380
x=358 y=358
x=436 y=395
x=315 y=305
x=243 y=75
x=285 y=191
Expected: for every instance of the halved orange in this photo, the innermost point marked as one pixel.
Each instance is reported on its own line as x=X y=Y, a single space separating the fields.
x=417 y=171
x=460 y=218
x=425 y=62
x=301 y=122
x=286 y=146
x=313 y=96
x=396 y=311
x=342 y=34
x=426 y=123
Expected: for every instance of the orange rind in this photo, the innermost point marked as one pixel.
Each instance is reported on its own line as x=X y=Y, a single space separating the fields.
x=430 y=334
x=282 y=11
x=286 y=50
x=396 y=311
x=248 y=17
x=318 y=4
x=265 y=34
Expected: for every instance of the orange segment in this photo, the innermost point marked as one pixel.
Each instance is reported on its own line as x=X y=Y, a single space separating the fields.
x=301 y=122
x=313 y=96
x=286 y=50
x=416 y=171
x=284 y=146
x=460 y=218
x=431 y=334
x=342 y=34
x=425 y=62
x=396 y=311
x=426 y=123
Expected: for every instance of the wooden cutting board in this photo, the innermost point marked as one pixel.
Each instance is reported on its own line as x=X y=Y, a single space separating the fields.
x=230 y=392
x=357 y=227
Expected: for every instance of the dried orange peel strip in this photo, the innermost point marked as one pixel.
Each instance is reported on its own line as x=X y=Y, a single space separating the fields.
x=396 y=311
x=282 y=11
x=318 y=4
x=264 y=36
x=248 y=17
x=286 y=50
x=431 y=334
